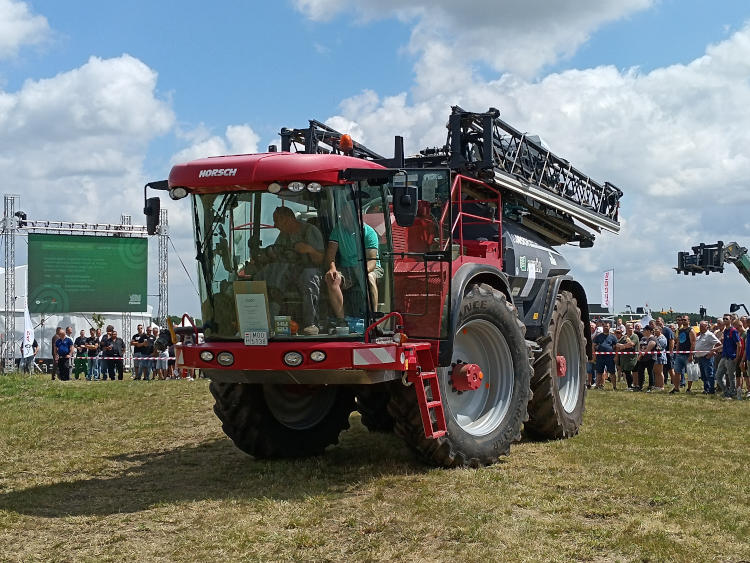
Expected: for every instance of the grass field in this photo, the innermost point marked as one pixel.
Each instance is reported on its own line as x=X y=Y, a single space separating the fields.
x=141 y=471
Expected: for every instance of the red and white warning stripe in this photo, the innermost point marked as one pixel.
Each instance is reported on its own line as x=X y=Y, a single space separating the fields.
x=139 y=358
x=644 y=353
x=371 y=356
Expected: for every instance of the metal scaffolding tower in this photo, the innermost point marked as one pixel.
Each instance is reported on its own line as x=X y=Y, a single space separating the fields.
x=10 y=226
x=127 y=316
x=163 y=234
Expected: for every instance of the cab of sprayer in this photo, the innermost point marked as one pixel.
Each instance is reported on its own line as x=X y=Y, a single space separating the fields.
x=253 y=285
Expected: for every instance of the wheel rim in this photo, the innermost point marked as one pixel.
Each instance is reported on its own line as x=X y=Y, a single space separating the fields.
x=569 y=386
x=299 y=408
x=481 y=411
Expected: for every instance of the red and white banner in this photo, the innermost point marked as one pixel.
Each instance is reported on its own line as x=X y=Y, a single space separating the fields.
x=607 y=286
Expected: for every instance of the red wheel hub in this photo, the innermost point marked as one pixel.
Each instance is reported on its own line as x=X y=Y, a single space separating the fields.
x=562 y=366
x=466 y=377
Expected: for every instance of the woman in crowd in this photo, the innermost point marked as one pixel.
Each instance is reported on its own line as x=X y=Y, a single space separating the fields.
x=660 y=359
x=741 y=354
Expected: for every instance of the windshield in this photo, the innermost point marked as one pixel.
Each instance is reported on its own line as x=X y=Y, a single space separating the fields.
x=292 y=264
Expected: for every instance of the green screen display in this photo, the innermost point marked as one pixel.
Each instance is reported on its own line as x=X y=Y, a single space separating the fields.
x=76 y=273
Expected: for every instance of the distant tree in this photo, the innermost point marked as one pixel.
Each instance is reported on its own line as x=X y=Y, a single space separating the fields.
x=98 y=320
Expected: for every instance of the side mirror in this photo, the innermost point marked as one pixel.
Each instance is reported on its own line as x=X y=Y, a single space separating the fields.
x=405 y=200
x=405 y=205
x=151 y=210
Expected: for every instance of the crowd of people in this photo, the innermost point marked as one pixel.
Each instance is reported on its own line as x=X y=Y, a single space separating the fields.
x=632 y=355
x=645 y=355
x=102 y=356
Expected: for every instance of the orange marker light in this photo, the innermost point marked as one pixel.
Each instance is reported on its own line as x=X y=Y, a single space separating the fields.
x=486 y=385
x=345 y=143
x=481 y=375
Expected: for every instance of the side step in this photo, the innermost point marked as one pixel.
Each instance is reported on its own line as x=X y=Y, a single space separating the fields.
x=433 y=417
x=428 y=396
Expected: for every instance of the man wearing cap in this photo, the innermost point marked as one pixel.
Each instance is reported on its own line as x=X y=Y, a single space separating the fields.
x=604 y=346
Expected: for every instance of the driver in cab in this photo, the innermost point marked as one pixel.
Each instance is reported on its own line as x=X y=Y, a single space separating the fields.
x=293 y=260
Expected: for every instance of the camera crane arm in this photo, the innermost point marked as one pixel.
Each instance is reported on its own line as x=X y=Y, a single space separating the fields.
x=707 y=258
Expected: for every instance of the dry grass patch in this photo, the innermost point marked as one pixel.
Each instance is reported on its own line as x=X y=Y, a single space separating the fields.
x=116 y=470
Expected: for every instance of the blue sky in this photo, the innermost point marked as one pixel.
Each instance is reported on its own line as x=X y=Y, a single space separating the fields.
x=625 y=89
x=256 y=62
x=671 y=32
x=264 y=63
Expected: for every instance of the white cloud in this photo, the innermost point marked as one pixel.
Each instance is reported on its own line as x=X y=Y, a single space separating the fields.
x=520 y=37
x=320 y=10
x=238 y=139
x=18 y=27
x=73 y=145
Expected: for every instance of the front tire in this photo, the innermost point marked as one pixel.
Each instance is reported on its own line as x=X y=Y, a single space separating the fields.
x=482 y=423
x=372 y=404
x=272 y=421
x=556 y=409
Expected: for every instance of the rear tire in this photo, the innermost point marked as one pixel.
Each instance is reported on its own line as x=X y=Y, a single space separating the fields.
x=556 y=409
x=270 y=421
x=482 y=423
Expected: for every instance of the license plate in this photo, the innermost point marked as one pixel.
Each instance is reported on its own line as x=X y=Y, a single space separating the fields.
x=256 y=338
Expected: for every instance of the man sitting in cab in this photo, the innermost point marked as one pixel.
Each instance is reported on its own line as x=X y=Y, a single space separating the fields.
x=293 y=260
x=345 y=242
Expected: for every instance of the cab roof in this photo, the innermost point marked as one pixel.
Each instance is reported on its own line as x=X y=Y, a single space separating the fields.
x=256 y=171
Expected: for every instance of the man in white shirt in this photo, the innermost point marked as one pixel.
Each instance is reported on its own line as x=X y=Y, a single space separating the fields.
x=706 y=347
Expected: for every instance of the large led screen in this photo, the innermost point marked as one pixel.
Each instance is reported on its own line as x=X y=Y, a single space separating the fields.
x=76 y=273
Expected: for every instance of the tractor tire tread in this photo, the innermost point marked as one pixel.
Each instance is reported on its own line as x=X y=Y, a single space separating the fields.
x=547 y=418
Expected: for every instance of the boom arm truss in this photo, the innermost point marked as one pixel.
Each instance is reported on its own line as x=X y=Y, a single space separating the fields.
x=486 y=145
x=541 y=190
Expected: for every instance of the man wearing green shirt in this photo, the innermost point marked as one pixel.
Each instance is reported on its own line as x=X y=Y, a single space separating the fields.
x=346 y=243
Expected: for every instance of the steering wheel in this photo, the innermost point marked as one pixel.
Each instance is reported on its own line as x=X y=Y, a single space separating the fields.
x=248 y=226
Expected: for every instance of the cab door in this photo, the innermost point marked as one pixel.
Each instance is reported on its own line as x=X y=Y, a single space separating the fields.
x=421 y=257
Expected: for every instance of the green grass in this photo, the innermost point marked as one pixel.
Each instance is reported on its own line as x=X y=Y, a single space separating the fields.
x=141 y=471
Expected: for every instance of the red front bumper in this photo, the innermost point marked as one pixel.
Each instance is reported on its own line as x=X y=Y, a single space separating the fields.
x=338 y=356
